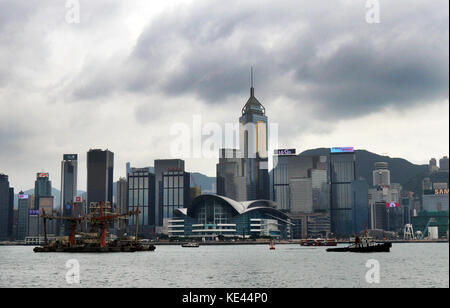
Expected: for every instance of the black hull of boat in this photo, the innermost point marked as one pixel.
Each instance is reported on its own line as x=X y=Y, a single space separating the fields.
x=385 y=247
x=94 y=249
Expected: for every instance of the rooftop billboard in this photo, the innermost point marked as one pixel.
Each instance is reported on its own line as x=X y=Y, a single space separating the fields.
x=70 y=157
x=343 y=150
x=285 y=152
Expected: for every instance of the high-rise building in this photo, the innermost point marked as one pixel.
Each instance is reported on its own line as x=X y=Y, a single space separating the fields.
x=381 y=216
x=360 y=205
x=342 y=174
x=33 y=222
x=291 y=166
x=320 y=187
x=162 y=166
x=381 y=174
x=11 y=213
x=254 y=146
x=100 y=167
x=122 y=195
x=69 y=174
x=22 y=218
x=230 y=178
x=42 y=187
x=432 y=166
x=128 y=168
x=46 y=206
x=141 y=194
x=6 y=208
x=444 y=164
x=175 y=194
x=122 y=204
x=301 y=195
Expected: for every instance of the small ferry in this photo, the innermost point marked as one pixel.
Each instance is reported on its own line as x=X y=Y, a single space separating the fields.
x=364 y=245
x=319 y=242
x=191 y=245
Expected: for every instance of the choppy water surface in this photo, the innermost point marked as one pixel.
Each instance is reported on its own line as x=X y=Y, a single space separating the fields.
x=289 y=266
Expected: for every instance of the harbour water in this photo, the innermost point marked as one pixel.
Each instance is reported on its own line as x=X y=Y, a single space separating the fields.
x=254 y=266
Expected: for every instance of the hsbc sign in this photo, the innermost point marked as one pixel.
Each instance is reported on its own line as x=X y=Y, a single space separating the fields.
x=392 y=204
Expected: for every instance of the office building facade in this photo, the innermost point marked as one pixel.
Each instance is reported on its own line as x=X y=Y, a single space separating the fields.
x=253 y=138
x=289 y=170
x=6 y=208
x=230 y=175
x=42 y=187
x=381 y=174
x=22 y=215
x=444 y=164
x=100 y=168
x=342 y=174
x=176 y=194
x=141 y=194
x=162 y=166
x=69 y=176
x=360 y=206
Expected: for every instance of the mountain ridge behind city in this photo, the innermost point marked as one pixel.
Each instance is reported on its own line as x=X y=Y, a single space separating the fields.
x=407 y=174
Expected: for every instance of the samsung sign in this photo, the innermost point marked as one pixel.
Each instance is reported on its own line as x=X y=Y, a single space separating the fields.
x=285 y=152
x=33 y=212
x=343 y=150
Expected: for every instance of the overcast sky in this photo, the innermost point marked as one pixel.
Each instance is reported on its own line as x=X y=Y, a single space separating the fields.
x=130 y=70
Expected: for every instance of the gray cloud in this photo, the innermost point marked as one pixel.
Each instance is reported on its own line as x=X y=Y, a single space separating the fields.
x=112 y=81
x=327 y=54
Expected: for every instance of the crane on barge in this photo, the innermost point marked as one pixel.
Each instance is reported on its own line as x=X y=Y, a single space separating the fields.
x=98 y=218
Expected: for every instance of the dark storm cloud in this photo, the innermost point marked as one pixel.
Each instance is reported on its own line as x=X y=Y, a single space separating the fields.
x=327 y=54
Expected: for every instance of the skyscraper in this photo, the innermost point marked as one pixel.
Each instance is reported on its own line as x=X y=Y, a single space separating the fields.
x=444 y=164
x=122 y=200
x=162 y=166
x=312 y=168
x=100 y=167
x=342 y=173
x=254 y=145
x=381 y=174
x=230 y=175
x=42 y=187
x=46 y=205
x=6 y=208
x=176 y=193
x=141 y=193
x=360 y=205
x=69 y=173
x=22 y=218
x=432 y=165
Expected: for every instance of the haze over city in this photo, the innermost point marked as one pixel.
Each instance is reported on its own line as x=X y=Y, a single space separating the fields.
x=129 y=70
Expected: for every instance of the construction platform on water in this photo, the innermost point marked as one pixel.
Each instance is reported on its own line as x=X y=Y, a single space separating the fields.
x=99 y=217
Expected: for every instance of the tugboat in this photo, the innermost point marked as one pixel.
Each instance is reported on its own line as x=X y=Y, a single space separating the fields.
x=364 y=245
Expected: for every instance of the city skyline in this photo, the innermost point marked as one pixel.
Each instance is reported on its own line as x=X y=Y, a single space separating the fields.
x=63 y=102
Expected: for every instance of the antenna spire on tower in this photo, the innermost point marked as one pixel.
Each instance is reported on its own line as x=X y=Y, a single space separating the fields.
x=252 y=90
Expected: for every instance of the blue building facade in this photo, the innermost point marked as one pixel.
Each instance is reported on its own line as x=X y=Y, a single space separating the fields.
x=360 y=205
x=342 y=173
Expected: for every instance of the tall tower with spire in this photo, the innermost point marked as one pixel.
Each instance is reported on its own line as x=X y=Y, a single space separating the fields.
x=254 y=146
